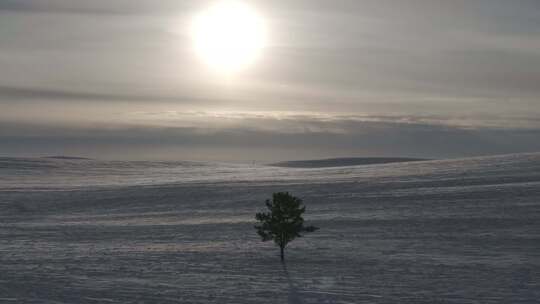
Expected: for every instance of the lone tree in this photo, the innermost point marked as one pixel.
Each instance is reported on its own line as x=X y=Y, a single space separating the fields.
x=284 y=222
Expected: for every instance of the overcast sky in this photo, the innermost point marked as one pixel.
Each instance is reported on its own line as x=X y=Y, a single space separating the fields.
x=120 y=79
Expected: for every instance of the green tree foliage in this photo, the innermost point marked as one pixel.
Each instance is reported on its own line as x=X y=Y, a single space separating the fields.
x=283 y=223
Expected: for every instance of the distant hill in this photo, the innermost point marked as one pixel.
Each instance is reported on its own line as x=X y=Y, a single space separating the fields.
x=67 y=157
x=343 y=162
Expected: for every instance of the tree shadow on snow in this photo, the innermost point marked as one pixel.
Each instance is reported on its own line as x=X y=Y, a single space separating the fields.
x=293 y=297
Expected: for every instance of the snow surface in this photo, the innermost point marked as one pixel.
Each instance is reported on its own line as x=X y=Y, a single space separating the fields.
x=343 y=162
x=87 y=231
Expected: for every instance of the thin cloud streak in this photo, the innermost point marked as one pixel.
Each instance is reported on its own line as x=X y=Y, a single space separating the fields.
x=95 y=7
x=10 y=94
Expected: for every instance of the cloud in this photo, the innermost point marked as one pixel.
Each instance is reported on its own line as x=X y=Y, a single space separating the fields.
x=100 y=7
x=429 y=78
x=12 y=94
x=291 y=122
x=9 y=94
x=302 y=137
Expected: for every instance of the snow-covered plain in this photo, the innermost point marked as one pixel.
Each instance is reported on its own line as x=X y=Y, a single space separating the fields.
x=450 y=231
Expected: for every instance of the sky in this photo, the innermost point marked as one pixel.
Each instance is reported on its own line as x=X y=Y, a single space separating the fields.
x=120 y=79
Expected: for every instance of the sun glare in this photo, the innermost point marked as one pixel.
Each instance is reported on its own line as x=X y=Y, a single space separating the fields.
x=228 y=36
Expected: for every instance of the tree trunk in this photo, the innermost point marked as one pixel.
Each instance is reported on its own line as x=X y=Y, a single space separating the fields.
x=282 y=253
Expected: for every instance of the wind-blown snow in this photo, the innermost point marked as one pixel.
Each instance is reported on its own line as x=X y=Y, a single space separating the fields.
x=87 y=231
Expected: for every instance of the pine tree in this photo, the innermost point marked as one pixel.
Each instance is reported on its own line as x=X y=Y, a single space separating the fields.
x=284 y=222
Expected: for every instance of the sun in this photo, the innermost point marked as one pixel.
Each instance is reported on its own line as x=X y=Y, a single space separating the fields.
x=228 y=36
